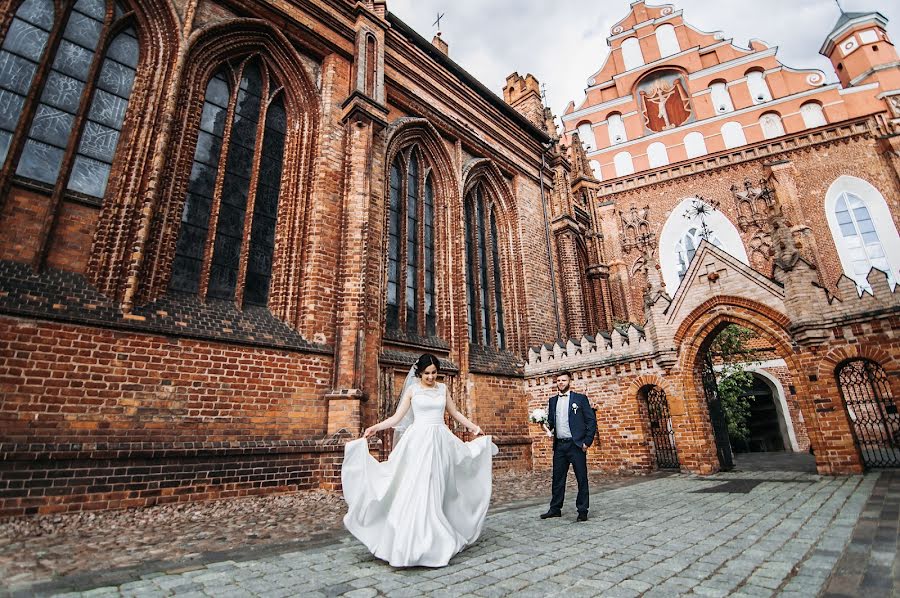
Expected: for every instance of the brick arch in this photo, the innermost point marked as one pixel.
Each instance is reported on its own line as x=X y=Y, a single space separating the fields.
x=761 y=312
x=486 y=172
x=398 y=136
x=158 y=29
x=208 y=50
x=407 y=131
x=694 y=430
x=836 y=357
x=650 y=380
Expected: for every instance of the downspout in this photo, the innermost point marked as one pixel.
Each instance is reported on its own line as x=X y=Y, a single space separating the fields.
x=547 y=237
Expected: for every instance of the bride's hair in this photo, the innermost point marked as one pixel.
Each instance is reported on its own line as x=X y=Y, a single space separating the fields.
x=424 y=361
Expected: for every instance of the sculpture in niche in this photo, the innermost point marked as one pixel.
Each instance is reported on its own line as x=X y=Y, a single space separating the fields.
x=664 y=101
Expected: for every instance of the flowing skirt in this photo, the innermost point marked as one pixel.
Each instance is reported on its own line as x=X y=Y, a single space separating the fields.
x=425 y=503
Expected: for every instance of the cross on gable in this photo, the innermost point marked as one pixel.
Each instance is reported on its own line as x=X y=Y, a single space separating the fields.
x=711 y=273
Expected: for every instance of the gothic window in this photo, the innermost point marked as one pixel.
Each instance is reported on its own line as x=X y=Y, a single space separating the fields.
x=860 y=239
x=733 y=135
x=411 y=304
x=631 y=53
x=667 y=40
x=65 y=81
x=812 y=114
x=687 y=247
x=616 y=127
x=227 y=238
x=771 y=125
x=657 y=154
x=694 y=144
x=721 y=99
x=623 y=163
x=759 y=90
x=484 y=287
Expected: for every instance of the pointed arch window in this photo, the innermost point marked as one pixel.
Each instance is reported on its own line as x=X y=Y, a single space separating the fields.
x=66 y=75
x=411 y=307
x=227 y=238
x=687 y=248
x=484 y=279
x=860 y=241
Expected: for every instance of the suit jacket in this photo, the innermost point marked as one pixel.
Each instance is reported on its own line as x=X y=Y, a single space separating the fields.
x=582 y=420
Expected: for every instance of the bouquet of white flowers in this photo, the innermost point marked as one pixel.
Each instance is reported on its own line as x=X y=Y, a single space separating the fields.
x=538 y=416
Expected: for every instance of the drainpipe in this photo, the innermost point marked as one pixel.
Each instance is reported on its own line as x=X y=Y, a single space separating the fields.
x=547 y=237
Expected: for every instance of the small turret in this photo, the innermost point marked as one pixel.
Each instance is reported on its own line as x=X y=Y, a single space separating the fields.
x=861 y=52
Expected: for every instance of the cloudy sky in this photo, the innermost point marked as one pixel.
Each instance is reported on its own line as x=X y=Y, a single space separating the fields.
x=563 y=42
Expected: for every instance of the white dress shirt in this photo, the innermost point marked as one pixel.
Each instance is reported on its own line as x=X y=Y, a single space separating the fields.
x=562 y=417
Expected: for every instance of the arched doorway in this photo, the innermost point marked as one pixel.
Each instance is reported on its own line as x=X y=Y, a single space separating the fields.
x=765 y=423
x=662 y=435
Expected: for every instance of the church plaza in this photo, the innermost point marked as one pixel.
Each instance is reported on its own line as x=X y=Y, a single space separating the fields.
x=744 y=533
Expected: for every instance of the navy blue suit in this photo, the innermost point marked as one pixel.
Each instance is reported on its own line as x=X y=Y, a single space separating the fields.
x=583 y=425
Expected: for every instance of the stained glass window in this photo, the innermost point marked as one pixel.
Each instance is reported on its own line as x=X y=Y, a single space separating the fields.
x=223 y=175
x=484 y=285
x=411 y=303
x=73 y=75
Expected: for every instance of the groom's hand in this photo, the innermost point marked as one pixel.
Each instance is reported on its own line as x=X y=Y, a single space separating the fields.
x=584 y=447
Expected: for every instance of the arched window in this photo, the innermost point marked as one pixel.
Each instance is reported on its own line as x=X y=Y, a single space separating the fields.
x=623 y=163
x=68 y=75
x=484 y=281
x=687 y=246
x=681 y=235
x=595 y=168
x=863 y=230
x=667 y=40
x=657 y=154
x=371 y=65
x=721 y=99
x=771 y=125
x=694 y=144
x=411 y=304
x=759 y=90
x=733 y=135
x=616 y=127
x=228 y=253
x=586 y=134
x=813 y=115
x=631 y=53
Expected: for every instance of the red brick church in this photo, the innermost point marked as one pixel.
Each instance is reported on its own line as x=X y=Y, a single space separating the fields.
x=228 y=228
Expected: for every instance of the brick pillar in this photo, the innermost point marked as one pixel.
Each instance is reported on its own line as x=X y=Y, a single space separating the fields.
x=363 y=117
x=572 y=278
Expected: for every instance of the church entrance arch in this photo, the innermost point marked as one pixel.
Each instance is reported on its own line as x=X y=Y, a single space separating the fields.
x=705 y=445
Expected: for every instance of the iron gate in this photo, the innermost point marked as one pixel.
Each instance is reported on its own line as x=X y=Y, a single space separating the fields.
x=661 y=428
x=873 y=412
x=717 y=414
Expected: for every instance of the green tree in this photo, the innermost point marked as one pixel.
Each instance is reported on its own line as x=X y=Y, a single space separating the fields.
x=732 y=349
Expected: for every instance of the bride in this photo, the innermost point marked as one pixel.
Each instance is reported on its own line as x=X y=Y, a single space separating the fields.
x=429 y=499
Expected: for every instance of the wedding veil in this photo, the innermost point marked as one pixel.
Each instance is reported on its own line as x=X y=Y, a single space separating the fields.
x=407 y=420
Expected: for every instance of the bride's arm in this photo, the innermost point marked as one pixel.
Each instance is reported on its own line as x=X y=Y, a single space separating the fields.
x=455 y=414
x=393 y=420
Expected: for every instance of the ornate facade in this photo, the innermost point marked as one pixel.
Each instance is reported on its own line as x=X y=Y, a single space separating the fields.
x=227 y=229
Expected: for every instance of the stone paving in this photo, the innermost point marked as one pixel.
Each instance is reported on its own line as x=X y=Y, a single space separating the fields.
x=747 y=534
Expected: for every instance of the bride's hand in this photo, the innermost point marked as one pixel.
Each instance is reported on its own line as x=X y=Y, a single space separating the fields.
x=370 y=431
x=476 y=430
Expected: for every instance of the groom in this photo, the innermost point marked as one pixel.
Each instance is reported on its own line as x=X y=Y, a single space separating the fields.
x=573 y=424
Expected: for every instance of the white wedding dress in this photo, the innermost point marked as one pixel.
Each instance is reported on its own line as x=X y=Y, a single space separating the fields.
x=429 y=499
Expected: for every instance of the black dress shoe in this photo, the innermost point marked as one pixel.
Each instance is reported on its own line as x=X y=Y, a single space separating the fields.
x=581 y=517
x=550 y=514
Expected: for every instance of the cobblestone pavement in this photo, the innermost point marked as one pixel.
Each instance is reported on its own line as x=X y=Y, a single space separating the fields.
x=109 y=548
x=735 y=534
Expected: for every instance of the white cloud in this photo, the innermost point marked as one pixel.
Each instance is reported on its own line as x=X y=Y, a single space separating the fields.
x=563 y=42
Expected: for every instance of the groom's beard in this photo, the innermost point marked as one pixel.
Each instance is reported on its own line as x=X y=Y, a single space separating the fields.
x=562 y=390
